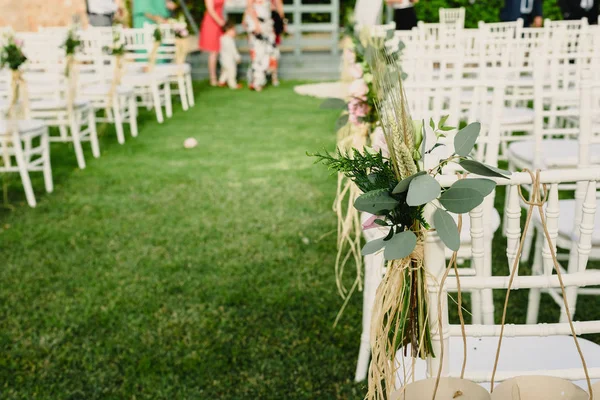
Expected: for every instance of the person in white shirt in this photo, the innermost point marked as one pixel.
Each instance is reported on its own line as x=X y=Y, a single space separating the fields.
x=404 y=14
x=102 y=12
x=229 y=57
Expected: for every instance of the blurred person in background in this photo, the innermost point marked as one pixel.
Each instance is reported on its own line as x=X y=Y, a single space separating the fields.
x=210 y=35
x=405 y=16
x=577 y=9
x=151 y=12
x=102 y=12
x=529 y=10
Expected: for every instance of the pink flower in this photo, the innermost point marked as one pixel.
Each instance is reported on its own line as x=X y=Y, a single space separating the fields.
x=378 y=142
x=358 y=89
x=370 y=222
x=357 y=109
x=356 y=71
x=349 y=56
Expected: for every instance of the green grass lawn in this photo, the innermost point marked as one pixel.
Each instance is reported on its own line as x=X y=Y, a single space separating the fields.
x=165 y=273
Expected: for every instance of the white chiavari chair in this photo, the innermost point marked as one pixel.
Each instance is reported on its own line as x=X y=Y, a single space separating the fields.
x=178 y=74
x=424 y=104
x=151 y=87
x=452 y=16
x=48 y=89
x=25 y=148
x=497 y=49
x=527 y=349
x=554 y=143
x=570 y=223
x=115 y=103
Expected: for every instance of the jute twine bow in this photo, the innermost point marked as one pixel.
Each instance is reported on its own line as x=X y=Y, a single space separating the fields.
x=18 y=109
x=181 y=45
x=349 y=229
x=72 y=74
x=152 y=57
x=116 y=81
x=537 y=201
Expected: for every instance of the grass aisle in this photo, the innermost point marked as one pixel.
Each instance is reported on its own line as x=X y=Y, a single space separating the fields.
x=164 y=273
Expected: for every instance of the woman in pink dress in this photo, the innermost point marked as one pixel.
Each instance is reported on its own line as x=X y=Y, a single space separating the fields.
x=210 y=35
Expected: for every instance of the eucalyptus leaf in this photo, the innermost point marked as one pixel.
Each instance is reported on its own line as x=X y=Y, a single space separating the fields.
x=373 y=246
x=461 y=200
x=443 y=120
x=447 y=128
x=341 y=122
x=482 y=185
x=478 y=168
x=375 y=201
x=465 y=139
x=446 y=229
x=333 y=104
x=404 y=183
x=380 y=222
x=435 y=146
x=422 y=190
x=431 y=123
x=390 y=34
x=400 y=246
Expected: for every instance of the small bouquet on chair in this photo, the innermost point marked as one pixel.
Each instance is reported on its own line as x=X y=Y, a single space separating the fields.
x=397 y=189
x=12 y=56
x=181 y=35
x=156 y=41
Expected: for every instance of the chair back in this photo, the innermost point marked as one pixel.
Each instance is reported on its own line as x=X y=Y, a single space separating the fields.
x=452 y=16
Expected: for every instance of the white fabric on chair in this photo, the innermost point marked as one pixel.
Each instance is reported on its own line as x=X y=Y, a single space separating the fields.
x=542 y=354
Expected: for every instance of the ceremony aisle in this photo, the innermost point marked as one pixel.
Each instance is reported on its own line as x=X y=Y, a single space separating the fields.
x=165 y=273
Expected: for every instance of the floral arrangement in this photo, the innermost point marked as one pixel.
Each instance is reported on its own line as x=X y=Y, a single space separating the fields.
x=395 y=190
x=180 y=29
x=12 y=55
x=118 y=47
x=72 y=42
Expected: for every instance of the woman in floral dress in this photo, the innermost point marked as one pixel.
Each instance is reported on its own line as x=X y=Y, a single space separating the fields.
x=264 y=52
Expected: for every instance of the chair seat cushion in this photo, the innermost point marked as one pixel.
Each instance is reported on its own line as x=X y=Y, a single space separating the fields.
x=49 y=105
x=557 y=153
x=24 y=125
x=101 y=89
x=517 y=116
x=526 y=353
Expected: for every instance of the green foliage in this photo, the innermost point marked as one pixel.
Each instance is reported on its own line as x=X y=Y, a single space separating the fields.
x=72 y=42
x=157 y=35
x=369 y=171
x=12 y=55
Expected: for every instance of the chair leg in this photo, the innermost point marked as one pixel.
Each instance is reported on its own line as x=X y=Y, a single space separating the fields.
x=22 y=165
x=47 y=167
x=190 y=89
x=168 y=101
x=157 y=103
x=133 y=116
x=77 y=142
x=182 y=92
x=373 y=272
x=64 y=133
x=118 y=120
x=533 y=303
x=93 y=134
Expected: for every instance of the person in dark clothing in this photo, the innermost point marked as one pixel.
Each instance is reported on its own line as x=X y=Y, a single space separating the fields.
x=404 y=14
x=529 y=10
x=577 y=9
